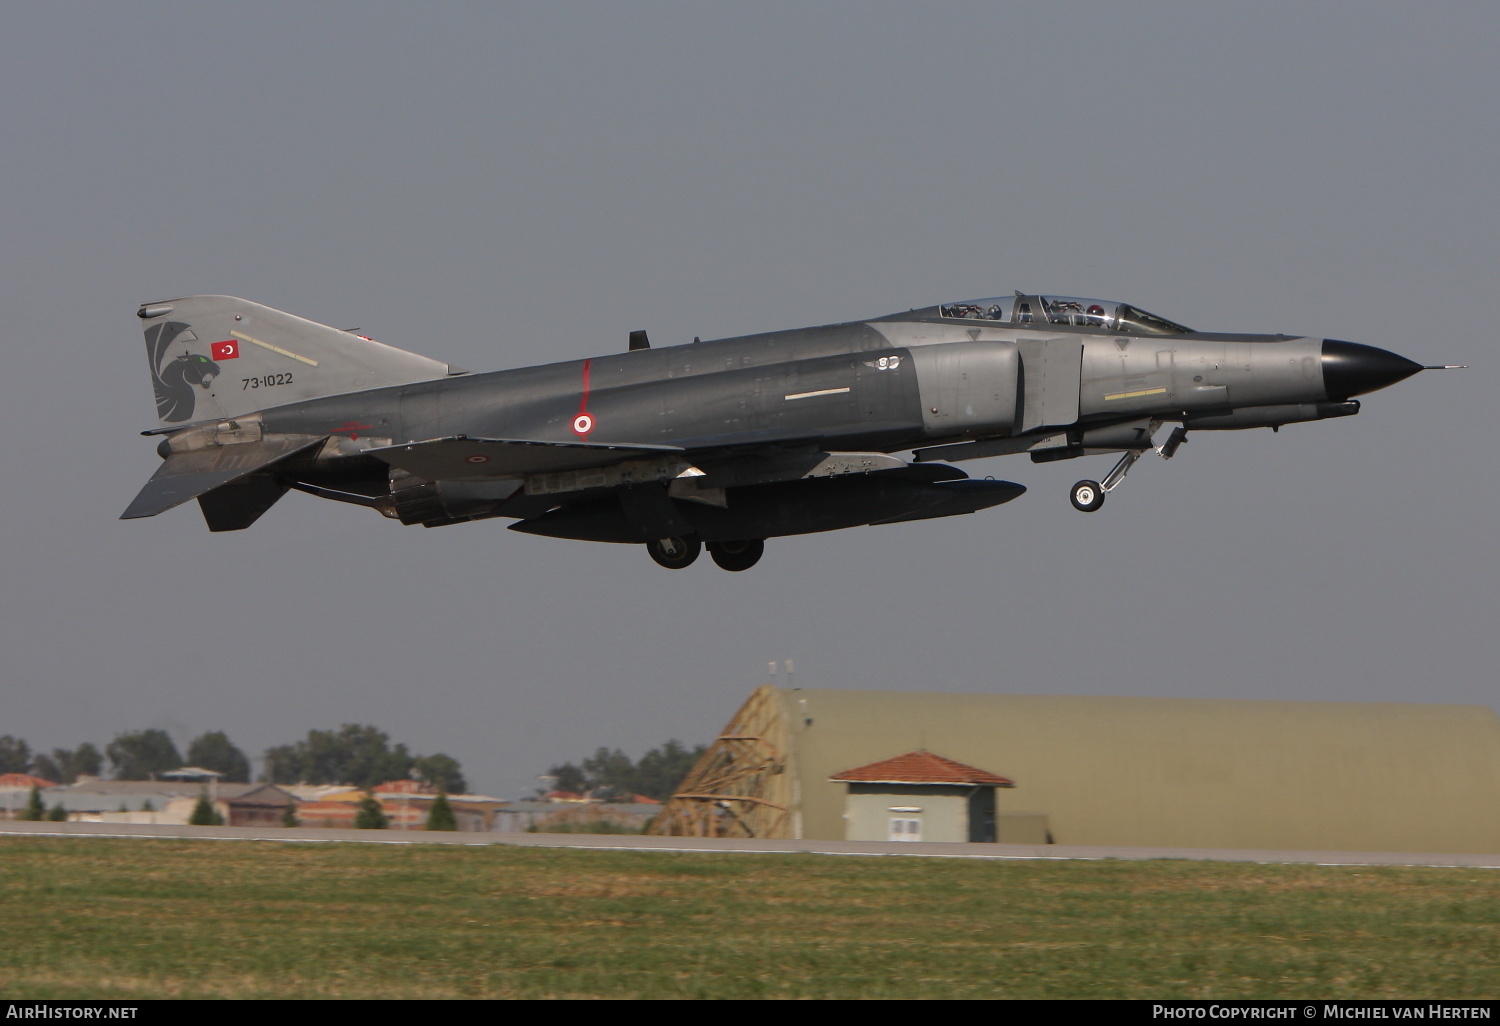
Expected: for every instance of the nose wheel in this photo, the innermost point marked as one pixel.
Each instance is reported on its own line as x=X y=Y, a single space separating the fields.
x=1087 y=496
x=674 y=553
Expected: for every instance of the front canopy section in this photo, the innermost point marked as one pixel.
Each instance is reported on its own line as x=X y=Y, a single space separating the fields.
x=1104 y=315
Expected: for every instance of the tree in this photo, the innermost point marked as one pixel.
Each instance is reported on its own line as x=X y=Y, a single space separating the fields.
x=204 y=813
x=66 y=766
x=441 y=817
x=284 y=765
x=34 y=809
x=609 y=773
x=354 y=754
x=289 y=816
x=57 y=813
x=44 y=766
x=215 y=751
x=15 y=755
x=440 y=771
x=358 y=755
x=84 y=761
x=370 y=816
x=662 y=769
x=140 y=754
x=568 y=777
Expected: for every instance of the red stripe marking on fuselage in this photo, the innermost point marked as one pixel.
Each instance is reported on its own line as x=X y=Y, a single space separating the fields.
x=584 y=422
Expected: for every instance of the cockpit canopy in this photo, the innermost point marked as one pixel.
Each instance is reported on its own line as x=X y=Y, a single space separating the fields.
x=1100 y=314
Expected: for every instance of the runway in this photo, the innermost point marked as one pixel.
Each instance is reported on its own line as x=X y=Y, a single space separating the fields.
x=615 y=842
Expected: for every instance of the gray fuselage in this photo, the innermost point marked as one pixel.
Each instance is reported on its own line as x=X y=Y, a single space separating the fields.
x=722 y=443
x=883 y=385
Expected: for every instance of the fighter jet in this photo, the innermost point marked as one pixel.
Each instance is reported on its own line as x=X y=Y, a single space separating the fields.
x=721 y=443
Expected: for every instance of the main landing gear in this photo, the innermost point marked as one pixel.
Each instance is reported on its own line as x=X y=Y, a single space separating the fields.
x=1089 y=495
x=676 y=553
x=737 y=555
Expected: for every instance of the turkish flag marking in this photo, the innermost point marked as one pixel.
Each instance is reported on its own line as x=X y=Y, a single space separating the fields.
x=229 y=350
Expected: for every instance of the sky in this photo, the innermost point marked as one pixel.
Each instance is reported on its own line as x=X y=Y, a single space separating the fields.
x=504 y=184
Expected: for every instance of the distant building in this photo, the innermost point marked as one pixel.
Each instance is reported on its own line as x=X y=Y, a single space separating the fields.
x=335 y=807
x=261 y=805
x=23 y=782
x=405 y=803
x=92 y=800
x=15 y=792
x=919 y=796
x=545 y=816
x=193 y=773
x=1155 y=772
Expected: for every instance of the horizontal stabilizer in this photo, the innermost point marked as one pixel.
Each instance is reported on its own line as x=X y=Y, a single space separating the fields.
x=187 y=475
x=459 y=457
x=240 y=503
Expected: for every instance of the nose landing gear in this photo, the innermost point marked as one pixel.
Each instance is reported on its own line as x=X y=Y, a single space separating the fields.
x=1089 y=495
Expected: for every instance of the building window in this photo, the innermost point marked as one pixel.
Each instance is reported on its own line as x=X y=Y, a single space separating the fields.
x=906 y=830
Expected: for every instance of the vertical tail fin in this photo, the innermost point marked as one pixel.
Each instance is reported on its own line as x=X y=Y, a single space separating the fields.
x=217 y=357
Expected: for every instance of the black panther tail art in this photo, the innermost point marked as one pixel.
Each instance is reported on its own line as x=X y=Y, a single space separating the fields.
x=174 y=382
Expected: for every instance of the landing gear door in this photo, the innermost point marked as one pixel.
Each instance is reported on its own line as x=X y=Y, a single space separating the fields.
x=1051 y=369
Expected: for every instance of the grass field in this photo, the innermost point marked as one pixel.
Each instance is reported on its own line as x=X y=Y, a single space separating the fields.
x=110 y=918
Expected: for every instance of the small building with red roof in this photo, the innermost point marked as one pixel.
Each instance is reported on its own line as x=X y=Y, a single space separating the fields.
x=15 y=792
x=920 y=796
x=23 y=782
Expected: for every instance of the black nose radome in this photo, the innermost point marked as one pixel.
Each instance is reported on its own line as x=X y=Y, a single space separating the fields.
x=1350 y=369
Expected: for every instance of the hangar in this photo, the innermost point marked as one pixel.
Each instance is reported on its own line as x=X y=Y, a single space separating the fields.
x=1153 y=772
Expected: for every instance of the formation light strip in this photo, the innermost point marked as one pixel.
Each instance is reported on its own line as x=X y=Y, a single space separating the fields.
x=276 y=349
x=821 y=391
x=1136 y=395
